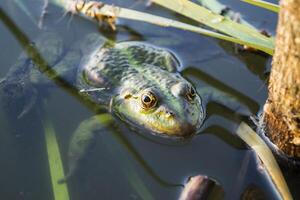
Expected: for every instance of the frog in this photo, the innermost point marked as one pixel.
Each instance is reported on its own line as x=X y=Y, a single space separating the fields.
x=136 y=82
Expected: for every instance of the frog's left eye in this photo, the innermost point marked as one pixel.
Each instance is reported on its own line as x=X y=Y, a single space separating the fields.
x=191 y=94
x=148 y=100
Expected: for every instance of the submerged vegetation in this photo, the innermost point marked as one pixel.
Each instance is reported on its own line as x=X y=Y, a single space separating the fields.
x=216 y=25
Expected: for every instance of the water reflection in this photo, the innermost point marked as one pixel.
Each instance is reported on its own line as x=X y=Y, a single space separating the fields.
x=162 y=165
x=65 y=85
x=200 y=75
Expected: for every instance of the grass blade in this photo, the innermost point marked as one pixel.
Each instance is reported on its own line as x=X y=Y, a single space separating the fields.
x=266 y=156
x=220 y=23
x=125 y=13
x=60 y=191
x=263 y=4
x=161 y=21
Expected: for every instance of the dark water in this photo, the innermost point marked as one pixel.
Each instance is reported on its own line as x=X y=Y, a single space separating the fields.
x=127 y=165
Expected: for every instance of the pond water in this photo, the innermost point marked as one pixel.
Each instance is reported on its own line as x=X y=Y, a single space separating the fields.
x=126 y=164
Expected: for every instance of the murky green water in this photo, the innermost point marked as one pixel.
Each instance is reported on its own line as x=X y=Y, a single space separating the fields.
x=128 y=165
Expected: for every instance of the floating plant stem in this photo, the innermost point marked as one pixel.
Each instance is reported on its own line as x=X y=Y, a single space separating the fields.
x=264 y=4
x=220 y=23
x=244 y=36
x=267 y=158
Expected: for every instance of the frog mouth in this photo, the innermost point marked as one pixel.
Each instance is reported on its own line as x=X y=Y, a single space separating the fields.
x=180 y=131
x=160 y=122
x=144 y=130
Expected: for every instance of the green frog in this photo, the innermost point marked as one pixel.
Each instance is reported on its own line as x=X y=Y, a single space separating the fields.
x=136 y=82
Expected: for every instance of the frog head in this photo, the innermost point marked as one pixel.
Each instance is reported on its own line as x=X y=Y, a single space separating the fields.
x=175 y=111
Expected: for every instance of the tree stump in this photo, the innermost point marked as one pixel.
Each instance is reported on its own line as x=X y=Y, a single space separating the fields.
x=281 y=115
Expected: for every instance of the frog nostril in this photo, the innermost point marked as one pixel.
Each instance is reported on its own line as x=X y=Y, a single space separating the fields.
x=169 y=114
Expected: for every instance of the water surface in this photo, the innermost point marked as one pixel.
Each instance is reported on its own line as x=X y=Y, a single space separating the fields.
x=119 y=159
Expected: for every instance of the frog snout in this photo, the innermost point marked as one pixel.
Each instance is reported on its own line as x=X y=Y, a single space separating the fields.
x=166 y=112
x=169 y=114
x=175 y=123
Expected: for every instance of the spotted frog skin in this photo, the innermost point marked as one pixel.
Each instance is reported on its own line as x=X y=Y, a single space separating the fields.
x=137 y=82
x=144 y=88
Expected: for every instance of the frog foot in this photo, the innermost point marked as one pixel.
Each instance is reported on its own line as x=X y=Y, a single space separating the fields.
x=43 y=14
x=69 y=174
x=29 y=104
x=64 y=179
x=20 y=96
x=2 y=81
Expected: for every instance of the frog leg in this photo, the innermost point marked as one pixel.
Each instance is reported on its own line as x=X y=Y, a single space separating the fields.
x=225 y=99
x=17 y=90
x=65 y=70
x=82 y=140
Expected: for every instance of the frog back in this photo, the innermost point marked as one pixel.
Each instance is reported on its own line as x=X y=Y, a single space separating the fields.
x=109 y=68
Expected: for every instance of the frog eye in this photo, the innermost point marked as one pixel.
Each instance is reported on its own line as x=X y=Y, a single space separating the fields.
x=148 y=100
x=191 y=94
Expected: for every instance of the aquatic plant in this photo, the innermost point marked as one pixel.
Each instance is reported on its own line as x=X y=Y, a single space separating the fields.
x=229 y=30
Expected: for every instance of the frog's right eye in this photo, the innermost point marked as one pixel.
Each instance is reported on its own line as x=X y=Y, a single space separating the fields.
x=148 y=100
x=191 y=94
